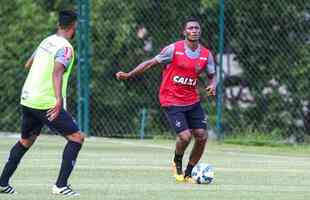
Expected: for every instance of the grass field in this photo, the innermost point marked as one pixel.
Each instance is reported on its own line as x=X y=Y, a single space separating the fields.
x=140 y=170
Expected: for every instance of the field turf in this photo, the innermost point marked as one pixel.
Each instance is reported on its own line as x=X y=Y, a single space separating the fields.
x=140 y=170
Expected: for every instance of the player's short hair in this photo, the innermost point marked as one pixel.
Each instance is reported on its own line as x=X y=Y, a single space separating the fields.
x=66 y=18
x=191 y=19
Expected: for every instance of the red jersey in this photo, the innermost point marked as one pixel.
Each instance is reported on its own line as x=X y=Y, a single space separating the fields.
x=179 y=78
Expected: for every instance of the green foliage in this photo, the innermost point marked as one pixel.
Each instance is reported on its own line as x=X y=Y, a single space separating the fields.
x=23 y=26
x=267 y=37
x=269 y=40
x=118 y=43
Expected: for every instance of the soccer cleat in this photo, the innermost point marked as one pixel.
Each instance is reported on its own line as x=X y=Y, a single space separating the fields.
x=65 y=191
x=189 y=179
x=178 y=177
x=7 y=190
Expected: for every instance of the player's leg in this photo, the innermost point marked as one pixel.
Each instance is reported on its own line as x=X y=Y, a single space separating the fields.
x=65 y=125
x=31 y=128
x=197 y=122
x=182 y=140
x=178 y=122
x=201 y=138
x=70 y=154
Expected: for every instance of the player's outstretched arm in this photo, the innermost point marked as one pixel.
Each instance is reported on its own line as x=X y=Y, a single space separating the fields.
x=140 y=69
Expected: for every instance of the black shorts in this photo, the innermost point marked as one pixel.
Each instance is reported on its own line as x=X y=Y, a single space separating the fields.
x=182 y=118
x=34 y=119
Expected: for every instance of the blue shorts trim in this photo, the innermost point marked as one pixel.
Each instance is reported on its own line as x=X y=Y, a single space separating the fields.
x=182 y=118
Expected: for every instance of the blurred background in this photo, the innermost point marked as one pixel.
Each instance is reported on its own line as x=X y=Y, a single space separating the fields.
x=263 y=64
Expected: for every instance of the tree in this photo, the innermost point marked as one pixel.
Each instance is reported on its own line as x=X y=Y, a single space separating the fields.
x=268 y=38
x=124 y=33
x=23 y=26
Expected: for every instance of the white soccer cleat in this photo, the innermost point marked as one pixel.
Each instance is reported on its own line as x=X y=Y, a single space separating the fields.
x=65 y=191
x=7 y=190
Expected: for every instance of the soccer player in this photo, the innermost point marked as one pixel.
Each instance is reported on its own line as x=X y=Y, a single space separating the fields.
x=42 y=103
x=183 y=62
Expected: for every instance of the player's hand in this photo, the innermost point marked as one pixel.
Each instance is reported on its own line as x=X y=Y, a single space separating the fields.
x=122 y=75
x=54 y=112
x=211 y=90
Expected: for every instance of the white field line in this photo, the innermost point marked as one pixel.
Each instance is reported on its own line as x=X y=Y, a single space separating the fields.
x=167 y=168
x=269 y=163
x=136 y=144
x=229 y=153
x=169 y=186
x=106 y=158
x=267 y=156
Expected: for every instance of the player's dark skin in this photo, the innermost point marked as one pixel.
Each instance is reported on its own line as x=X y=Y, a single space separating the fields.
x=58 y=72
x=192 y=33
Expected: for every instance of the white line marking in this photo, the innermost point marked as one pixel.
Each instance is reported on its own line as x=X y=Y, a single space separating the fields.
x=173 y=186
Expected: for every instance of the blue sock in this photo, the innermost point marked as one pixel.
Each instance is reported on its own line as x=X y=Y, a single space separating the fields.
x=70 y=154
x=16 y=154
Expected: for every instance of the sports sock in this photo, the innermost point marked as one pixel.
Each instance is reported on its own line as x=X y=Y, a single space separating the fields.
x=69 y=156
x=188 y=171
x=16 y=154
x=178 y=162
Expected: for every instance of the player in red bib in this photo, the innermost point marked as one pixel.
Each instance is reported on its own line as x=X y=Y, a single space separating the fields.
x=184 y=61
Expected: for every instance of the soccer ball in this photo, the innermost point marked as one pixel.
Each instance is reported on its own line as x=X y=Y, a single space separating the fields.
x=203 y=173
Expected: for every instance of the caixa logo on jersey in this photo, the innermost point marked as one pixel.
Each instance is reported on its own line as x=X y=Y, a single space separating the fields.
x=184 y=81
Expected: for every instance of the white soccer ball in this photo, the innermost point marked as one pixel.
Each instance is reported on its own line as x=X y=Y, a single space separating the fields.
x=203 y=173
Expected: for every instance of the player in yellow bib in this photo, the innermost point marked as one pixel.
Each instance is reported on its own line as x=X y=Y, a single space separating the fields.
x=42 y=100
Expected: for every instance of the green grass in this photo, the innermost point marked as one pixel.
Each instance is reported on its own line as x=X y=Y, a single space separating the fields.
x=256 y=138
x=140 y=170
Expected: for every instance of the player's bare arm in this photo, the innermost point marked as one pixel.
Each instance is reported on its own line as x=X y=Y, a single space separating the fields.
x=140 y=69
x=29 y=63
x=211 y=88
x=57 y=82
